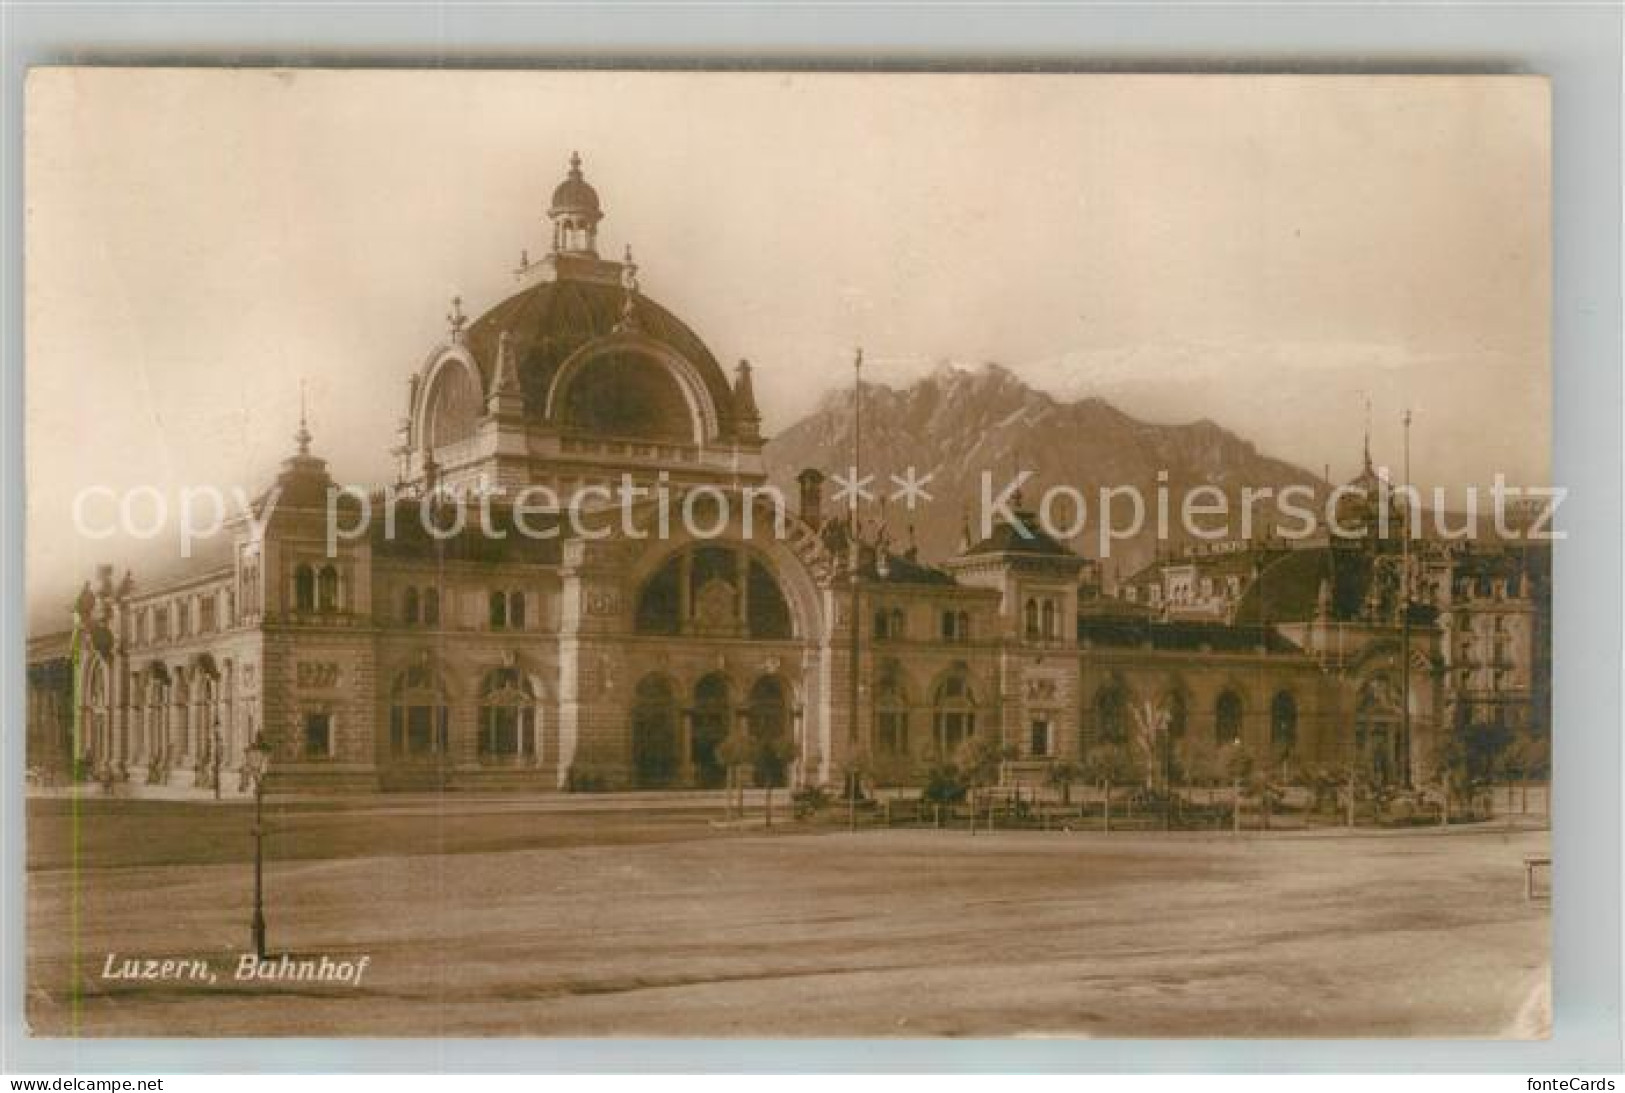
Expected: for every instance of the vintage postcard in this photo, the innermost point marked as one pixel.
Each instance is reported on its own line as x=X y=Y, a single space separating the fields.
x=787 y=554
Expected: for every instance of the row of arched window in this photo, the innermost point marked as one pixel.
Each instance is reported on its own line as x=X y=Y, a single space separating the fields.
x=420 y=607
x=505 y=725
x=1114 y=718
x=506 y=608
x=1041 y=619
x=952 y=713
x=315 y=589
x=184 y=617
x=891 y=624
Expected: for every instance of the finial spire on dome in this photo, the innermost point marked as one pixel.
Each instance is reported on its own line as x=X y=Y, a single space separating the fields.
x=1368 y=434
x=302 y=437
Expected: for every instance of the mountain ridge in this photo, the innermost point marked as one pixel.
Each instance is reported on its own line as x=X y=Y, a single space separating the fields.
x=955 y=423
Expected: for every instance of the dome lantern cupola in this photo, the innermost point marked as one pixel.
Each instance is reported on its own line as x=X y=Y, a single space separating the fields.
x=575 y=213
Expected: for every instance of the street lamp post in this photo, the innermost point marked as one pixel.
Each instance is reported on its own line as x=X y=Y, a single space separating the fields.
x=257 y=762
x=215 y=755
x=1235 y=790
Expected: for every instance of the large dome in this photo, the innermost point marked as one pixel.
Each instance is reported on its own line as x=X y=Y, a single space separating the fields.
x=550 y=321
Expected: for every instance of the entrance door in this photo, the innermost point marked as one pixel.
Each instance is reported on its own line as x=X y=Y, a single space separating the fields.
x=770 y=729
x=713 y=708
x=655 y=759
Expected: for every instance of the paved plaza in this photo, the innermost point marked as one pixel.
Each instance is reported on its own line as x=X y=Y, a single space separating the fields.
x=604 y=916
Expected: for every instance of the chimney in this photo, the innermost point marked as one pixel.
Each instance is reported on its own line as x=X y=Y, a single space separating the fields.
x=811 y=481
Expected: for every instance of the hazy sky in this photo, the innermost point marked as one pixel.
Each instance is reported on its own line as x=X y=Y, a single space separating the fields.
x=1265 y=252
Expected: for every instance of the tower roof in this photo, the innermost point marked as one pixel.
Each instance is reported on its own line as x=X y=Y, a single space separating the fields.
x=575 y=195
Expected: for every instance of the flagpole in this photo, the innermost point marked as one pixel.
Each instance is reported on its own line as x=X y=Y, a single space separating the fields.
x=853 y=564
x=1405 y=610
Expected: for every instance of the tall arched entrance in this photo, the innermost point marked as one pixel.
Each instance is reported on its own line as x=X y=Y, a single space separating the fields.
x=768 y=715
x=713 y=709
x=656 y=758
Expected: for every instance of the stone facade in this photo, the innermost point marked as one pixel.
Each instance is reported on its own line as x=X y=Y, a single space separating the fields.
x=466 y=634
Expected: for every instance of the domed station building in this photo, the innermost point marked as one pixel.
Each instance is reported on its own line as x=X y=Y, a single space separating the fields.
x=475 y=634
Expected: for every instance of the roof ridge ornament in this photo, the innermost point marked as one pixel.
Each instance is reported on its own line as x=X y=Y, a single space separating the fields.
x=456 y=319
x=629 y=282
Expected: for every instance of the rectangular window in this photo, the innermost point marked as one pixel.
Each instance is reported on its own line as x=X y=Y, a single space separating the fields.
x=1039 y=743
x=318 y=743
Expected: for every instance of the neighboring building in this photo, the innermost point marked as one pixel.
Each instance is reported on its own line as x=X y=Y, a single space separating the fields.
x=485 y=656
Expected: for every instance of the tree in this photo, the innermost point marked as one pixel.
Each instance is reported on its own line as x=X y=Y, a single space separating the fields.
x=853 y=769
x=981 y=763
x=1326 y=782
x=1531 y=756
x=774 y=756
x=1111 y=765
x=1151 y=739
x=981 y=759
x=1238 y=765
x=737 y=752
x=1453 y=773
x=1268 y=784
x=1200 y=762
x=1061 y=774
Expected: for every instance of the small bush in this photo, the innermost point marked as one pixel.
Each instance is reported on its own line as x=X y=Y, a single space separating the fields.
x=944 y=785
x=585 y=778
x=809 y=801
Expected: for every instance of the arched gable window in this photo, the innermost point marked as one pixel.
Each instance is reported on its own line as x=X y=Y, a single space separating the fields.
x=891 y=710
x=507 y=718
x=431 y=607
x=498 y=601
x=516 y=610
x=419 y=720
x=409 y=607
x=953 y=712
x=697 y=590
x=455 y=405
x=1050 y=625
x=1030 y=613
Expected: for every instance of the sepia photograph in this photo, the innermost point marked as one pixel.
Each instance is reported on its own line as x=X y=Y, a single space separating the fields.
x=788 y=554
